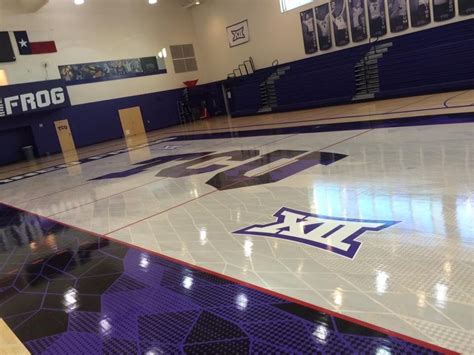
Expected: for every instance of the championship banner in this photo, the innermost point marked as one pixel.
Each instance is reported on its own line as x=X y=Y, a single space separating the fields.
x=339 y=22
x=309 y=31
x=398 y=14
x=377 y=21
x=238 y=33
x=74 y=74
x=323 y=26
x=19 y=99
x=443 y=10
x=466 y=7
x=420 y=12
x=358 y=20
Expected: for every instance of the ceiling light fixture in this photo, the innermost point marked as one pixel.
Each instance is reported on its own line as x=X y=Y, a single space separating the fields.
x=78 y=2
x=152 y=2
x=197 y=2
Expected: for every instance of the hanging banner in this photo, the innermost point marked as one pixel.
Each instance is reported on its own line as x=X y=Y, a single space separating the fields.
x=74 y=74
x=420 y=12
x=358 y=20
x=323 y=25
x=309 y=31
x=32 y=97
x=339 y=22
x=377 y=21
x=443 y=10
x=398 y=15
x=466 y=7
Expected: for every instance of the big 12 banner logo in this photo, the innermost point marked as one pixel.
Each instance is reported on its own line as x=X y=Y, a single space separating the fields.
x=234 y=177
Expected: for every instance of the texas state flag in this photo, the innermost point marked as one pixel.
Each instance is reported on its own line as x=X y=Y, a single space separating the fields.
x=25 y=47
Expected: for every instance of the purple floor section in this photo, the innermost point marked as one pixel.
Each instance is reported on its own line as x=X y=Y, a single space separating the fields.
x=66 y=291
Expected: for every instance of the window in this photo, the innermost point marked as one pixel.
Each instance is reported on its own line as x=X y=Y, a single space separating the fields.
x=287 y=5
x=184 y=59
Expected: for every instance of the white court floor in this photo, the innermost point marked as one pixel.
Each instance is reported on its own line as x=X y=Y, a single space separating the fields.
x=382 y=229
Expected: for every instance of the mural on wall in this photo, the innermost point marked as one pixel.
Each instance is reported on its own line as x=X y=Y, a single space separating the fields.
x=323 y=26
x=339 y=22
x=443 y=10
x=358 y=20
x=238 y=33
x=111 y=70
x=309 y=31
x=420 y=12
x=398 y=15
x=377 y=21
x=466 y=7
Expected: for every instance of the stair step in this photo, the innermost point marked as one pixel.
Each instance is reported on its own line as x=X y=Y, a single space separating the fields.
x=383 y=45
x=265 y=109
x=374 y=56
x=363 y=97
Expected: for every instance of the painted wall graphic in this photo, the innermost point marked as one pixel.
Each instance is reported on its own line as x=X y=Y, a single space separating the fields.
x=358 y=20
x=466 y=7
x=111 y=70
x=443 y=9
x=323 y=26
x=238 y=33
x=309 y=31
x=339 y=22
x=32 y=97
x=377 y=20
x=420 y=12
x=398 y=15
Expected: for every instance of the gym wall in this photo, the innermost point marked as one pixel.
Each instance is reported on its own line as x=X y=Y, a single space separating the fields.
x=100 y=31
x=273 y=35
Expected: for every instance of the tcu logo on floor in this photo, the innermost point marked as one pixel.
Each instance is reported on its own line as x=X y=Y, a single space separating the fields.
x=235 y=177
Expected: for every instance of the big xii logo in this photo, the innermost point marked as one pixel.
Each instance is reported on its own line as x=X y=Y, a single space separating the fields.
x=337 y=235
x=31 y=101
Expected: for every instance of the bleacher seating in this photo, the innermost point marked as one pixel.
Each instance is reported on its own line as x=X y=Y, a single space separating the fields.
x=423 y=62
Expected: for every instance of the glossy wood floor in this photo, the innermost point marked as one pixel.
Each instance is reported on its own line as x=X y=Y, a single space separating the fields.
x=415 y=106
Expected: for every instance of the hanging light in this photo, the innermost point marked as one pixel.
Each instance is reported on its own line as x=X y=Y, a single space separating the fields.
x=152 y=2
x=78 y=2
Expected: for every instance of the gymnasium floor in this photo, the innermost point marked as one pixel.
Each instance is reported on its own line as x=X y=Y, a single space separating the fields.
x=340 y=229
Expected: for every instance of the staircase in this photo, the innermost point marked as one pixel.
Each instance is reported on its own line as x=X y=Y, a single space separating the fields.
x=268 y=98
x=246 y=68
x=366 y=72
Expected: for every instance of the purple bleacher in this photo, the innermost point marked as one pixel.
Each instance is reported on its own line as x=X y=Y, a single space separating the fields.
x=428 y=61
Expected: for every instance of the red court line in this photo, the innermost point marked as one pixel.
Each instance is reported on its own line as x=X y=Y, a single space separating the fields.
x=255 y=287
x=53 y=193
x=409 y=104
x=445 y=104
x=105 y=197
x=215 y=191
x=277 y=124
x=231 y=129
x=121 y=143
x=127 y=190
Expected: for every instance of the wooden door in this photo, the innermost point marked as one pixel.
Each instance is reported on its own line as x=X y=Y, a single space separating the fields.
x=65 y=137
